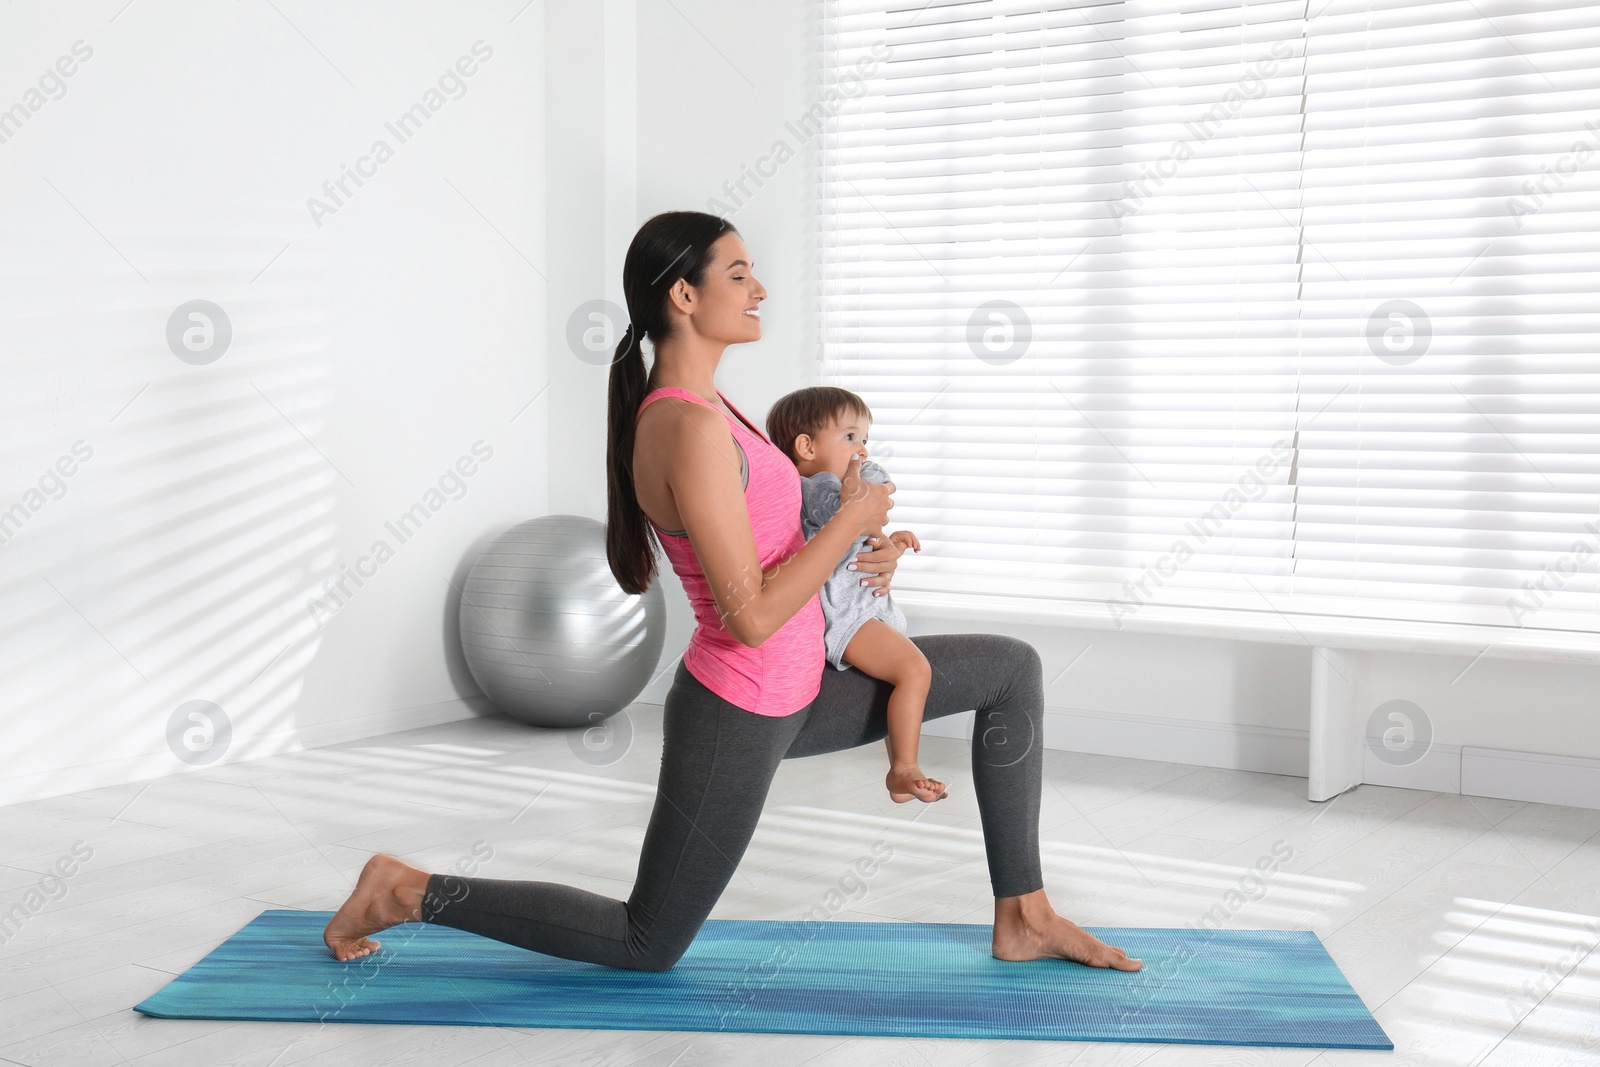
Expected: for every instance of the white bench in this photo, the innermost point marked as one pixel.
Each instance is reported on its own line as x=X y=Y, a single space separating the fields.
x=1338 y=724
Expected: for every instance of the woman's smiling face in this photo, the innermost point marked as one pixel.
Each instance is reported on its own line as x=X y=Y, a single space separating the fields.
x=726 y=306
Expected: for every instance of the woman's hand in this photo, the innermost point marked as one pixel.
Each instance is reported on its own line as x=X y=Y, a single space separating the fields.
x=864 y=505
x=868 y=504
x=877 y=565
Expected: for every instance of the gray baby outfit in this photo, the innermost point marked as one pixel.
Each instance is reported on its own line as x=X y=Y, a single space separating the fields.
x=846 y=603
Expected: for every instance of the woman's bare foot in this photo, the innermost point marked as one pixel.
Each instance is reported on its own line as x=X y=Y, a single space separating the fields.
x=387 y=893
x=908 y=781
x=1028 y=928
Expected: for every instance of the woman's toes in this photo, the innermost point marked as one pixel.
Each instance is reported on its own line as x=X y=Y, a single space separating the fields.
x=343 y=951
x=371 y=906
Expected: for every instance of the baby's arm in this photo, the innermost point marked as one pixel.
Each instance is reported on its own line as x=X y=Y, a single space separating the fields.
x=905 y=539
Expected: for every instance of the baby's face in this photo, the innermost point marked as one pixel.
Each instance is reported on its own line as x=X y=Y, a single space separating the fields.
x=833 y=446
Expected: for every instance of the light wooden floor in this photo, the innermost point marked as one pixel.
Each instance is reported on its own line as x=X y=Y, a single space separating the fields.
x=1469 y=926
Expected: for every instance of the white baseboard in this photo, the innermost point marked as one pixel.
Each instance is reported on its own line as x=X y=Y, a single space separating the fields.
x=1488 y=772
x=1254 y=748
x=1439 y=770
x=54 y=783
x=1483 y=772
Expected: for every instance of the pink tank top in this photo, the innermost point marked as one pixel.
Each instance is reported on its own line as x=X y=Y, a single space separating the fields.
x=784 y=673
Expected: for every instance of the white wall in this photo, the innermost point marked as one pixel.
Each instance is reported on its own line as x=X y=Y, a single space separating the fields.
x=371 y=348
x=591 y=217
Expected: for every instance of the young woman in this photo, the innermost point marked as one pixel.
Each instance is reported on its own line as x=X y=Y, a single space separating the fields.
x=724 y=505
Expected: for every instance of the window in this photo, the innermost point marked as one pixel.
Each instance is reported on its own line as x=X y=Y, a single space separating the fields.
x=1269 y=307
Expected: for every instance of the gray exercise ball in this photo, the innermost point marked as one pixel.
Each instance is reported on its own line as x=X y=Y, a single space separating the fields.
x=548 y=634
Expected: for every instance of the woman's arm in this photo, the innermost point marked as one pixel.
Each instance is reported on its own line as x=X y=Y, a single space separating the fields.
x=703 y=475
x=878 y=561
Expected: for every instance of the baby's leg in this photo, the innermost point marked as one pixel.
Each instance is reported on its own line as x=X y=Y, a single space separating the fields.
x=881 y=651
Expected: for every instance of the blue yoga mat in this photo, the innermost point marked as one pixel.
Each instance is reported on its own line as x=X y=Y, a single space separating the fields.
x=1239 y=987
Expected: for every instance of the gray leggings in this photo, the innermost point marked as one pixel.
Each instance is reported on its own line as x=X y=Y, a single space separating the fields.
x=717 y=762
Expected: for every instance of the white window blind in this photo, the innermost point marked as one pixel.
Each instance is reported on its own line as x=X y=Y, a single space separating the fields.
x=1270 y=306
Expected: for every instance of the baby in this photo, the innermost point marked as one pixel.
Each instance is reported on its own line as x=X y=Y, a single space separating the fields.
x=822 y=428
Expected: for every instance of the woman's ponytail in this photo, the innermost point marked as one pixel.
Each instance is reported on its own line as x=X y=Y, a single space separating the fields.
x=672 y=245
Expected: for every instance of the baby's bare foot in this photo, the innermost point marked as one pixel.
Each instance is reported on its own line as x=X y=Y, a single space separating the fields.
x=909 y=781
x=387 y=893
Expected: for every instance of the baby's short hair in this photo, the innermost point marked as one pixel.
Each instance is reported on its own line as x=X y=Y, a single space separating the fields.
x=809 y=411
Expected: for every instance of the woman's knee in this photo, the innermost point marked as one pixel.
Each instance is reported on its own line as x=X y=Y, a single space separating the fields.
x=1017 y=657
x=1028 y=655
x=656 y=963
x=658 y=954
x=1019 y=672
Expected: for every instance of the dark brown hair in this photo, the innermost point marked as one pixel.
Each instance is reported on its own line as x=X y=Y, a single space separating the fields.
x=672 y=245
x=810 y=411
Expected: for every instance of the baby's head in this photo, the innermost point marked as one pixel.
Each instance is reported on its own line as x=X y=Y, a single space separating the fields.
x=820 y=428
